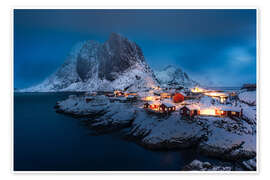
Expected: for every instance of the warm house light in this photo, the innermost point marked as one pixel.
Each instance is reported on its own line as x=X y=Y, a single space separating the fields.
x=154 y=107
x=197 y=89
x=156 y=88
x=130 y=94
x=222 y=99
x=118 y=93
x=217 y=95
x=165 y=95
x=211 y=111
x=149 y=98
x=208 y=112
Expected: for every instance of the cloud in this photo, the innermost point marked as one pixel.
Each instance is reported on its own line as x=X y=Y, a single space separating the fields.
x=240 y=56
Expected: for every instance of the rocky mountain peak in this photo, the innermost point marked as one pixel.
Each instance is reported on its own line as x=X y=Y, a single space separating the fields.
x=174 y=76
x=116 y=37
x=117 y=55
x=116 y=64
x=168 y=67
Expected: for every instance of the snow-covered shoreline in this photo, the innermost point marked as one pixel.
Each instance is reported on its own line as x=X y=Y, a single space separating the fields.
x=219 y=137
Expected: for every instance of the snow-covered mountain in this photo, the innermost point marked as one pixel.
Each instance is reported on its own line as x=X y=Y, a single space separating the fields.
x=172 y=76
x=116 y=64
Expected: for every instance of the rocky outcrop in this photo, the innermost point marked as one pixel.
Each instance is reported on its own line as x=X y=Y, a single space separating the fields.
x=197 y=165
x=250 y=164
x=98 y=113
x=228 y=139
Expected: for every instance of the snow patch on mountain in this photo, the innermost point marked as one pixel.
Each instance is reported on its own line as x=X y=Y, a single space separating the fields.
x=173 y=76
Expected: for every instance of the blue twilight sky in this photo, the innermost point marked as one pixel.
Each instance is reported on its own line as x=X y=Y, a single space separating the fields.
x=216 y=47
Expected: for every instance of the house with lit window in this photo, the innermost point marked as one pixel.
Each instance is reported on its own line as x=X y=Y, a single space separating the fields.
x=167 y=107
x=165 y=95
x=230 y=111
x=211 y=111
x=159 y=107
x=118 y=93
x=152 y=105
x=189 y=110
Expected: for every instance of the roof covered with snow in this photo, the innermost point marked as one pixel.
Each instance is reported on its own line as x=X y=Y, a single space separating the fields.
x=168 y=104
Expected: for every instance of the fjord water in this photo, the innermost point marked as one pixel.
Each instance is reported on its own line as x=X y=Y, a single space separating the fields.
x=47 y=141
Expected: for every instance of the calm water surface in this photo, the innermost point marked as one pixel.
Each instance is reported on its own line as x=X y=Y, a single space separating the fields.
x=45 y=140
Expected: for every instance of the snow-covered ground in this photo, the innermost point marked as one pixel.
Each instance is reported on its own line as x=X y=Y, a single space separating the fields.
x=166 y=132
x=197 y=165
x=248 y=97
x=223 y=138
x=99 y=110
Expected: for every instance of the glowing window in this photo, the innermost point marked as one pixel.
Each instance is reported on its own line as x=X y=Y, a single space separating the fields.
x=233 y=113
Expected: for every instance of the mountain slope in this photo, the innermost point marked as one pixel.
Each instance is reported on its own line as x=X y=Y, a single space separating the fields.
x=172 y=76
x=116 y=64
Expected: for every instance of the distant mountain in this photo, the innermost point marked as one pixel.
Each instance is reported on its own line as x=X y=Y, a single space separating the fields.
x=116 y=64
x=172 y=76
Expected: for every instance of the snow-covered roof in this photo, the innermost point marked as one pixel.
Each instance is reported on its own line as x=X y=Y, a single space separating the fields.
x=193 y=107
x=154 y=102
x=168 y=104
x=230 y=108
x=183 y=93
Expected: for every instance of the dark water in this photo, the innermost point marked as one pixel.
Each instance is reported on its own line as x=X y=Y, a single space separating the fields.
x=45 y=140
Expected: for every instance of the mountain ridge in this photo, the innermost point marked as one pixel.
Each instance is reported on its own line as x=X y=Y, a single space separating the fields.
x=115 y=64
x=118 y=63
x=174 y=76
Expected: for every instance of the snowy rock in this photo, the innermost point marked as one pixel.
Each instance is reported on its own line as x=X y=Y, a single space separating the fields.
x=250 y=164
x=79 y=106
x=99 y=112
x=173 y=76
x=171 y=133
x=197 y=165
x=248 y=97
x=228 y=145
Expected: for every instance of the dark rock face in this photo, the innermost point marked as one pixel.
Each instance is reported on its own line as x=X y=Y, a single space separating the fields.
x=107 y=60
x=87 y=60
x=117 y=55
